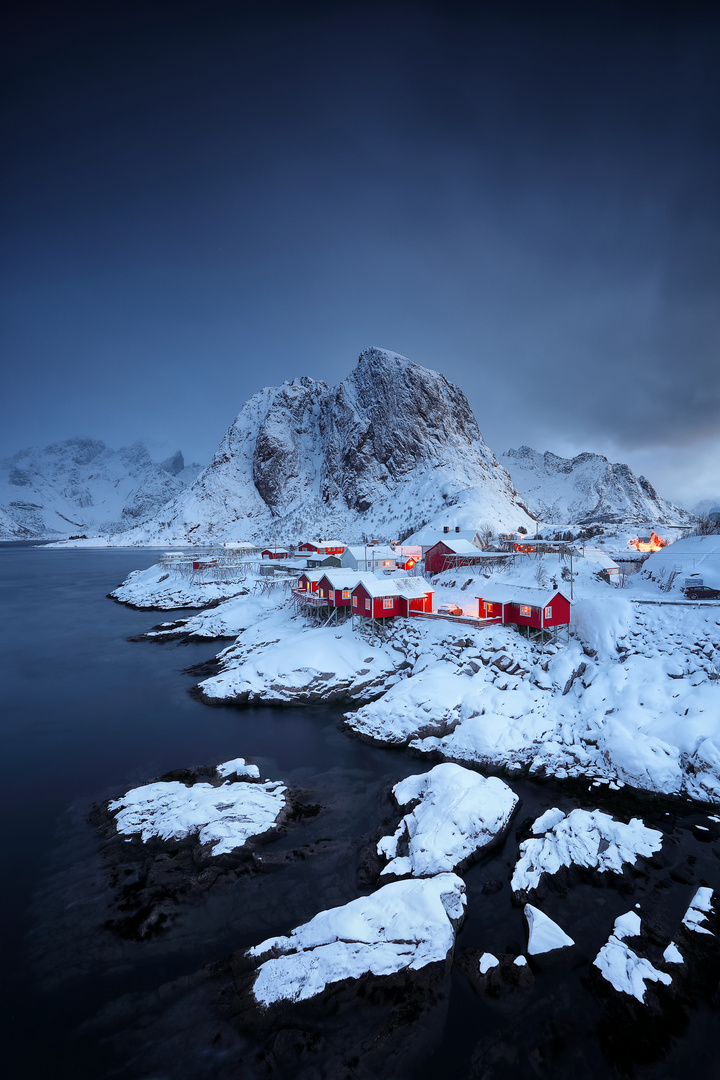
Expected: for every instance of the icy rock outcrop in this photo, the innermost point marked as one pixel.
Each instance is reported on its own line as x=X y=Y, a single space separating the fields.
x=587 y=488
x=699 y=908
x=224 y=816
x=393 y=442
x=544 y=935
x=622 y=967
x=458 y=813
x=406 y=925
x=583 y=838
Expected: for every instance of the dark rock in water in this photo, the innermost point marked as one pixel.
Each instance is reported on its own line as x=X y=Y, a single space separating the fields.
x=149 y=882
x=505 y=976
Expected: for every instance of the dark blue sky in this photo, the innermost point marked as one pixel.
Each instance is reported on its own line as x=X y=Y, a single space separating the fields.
x=201 y=199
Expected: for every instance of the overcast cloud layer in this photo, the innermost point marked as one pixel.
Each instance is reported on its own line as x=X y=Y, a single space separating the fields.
x=202 y=199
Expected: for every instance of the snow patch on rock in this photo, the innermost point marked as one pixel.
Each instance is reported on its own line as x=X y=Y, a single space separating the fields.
x=544 y=935
x=405 y=925
x=622 y=967
x=458 y=813
x=583 y=838
x=223 y=817
x=700 y=906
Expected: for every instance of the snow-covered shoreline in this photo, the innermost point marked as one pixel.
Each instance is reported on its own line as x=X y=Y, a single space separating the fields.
x=631 y=698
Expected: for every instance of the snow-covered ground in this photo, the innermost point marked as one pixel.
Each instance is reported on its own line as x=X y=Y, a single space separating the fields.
x=406 y=925
x=544 y=935
x=224 y=817
x=457 y=814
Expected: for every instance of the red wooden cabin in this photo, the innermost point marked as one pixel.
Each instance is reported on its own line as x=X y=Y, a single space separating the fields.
x=323 y=547
x=275 y=553
x=387 y=599
x=539 y=609
x=447 y=554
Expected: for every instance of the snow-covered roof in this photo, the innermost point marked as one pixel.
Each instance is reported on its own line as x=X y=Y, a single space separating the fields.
x=407 y=587
x=458 y=546
x=313 y=575
x=412 y=586
x=520 y=594
x=344 y=577
x=597 y=555
x=276 y=550
x=377 y=551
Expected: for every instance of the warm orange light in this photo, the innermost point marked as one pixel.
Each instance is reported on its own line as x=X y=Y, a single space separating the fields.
x=409 y=564
x=655 y=543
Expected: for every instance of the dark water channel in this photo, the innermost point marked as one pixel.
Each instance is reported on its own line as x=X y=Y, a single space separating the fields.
x=86 y=714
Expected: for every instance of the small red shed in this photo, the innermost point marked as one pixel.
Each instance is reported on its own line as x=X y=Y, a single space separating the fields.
x=323 y=547
x=275 y=553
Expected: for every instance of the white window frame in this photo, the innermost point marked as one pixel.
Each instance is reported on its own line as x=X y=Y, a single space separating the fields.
x=346 y=594
x=525 y=611
x=547 y=613
x=354 y=603
x=387 y=603
x=367 y=605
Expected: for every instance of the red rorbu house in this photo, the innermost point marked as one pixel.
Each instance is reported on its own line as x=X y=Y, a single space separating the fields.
x=275 y=553
x=337 y=586
x=309 y=580
x=520 y=605
x=375 y=598
x=447 y=554
x=323 y=547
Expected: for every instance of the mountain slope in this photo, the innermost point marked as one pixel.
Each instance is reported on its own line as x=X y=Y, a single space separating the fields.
x=81 y=485
x=587 y=488
x=391 y=446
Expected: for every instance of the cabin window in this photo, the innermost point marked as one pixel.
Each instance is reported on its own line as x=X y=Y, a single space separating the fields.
x=354 y=601
x=525 y=611
x=322 y=593
x=346 y=594
x=387 y=604
x=367 y=605
x=548 y=613
x=386 y=562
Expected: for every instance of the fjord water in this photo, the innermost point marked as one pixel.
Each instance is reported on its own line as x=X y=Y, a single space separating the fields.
x=87 y=714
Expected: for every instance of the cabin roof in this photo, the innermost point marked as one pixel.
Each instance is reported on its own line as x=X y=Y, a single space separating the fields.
x=343 y=577
x=407 y=587
x=458 y=546
x=520 y=594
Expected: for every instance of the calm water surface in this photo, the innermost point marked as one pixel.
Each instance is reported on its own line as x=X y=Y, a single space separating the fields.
x=87 y=714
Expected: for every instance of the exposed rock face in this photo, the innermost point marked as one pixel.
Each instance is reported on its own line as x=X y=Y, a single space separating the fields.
x=587 y=488
x=82 y=486
x=392 y=445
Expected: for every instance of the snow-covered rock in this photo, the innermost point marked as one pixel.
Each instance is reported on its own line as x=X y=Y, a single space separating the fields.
x=583 y=838
x=164 y=588
x=587 y=488
x=406 y=925
x=457 y=814
x=622 y=967
x=700 y=907
x=544 y=935
x=223 y=817
x=486 y=962
x=392 y=444
x=81 y=486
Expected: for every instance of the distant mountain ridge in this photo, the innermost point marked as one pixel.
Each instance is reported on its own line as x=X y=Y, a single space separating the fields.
x=390 y=447
x=587 y=489
x=80 y=486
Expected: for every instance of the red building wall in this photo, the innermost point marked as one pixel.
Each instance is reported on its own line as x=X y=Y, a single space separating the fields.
x=560 y=613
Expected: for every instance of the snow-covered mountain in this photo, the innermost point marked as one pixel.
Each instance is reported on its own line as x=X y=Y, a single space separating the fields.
x=587 y=489
x=394 y=445
x=82 y=486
